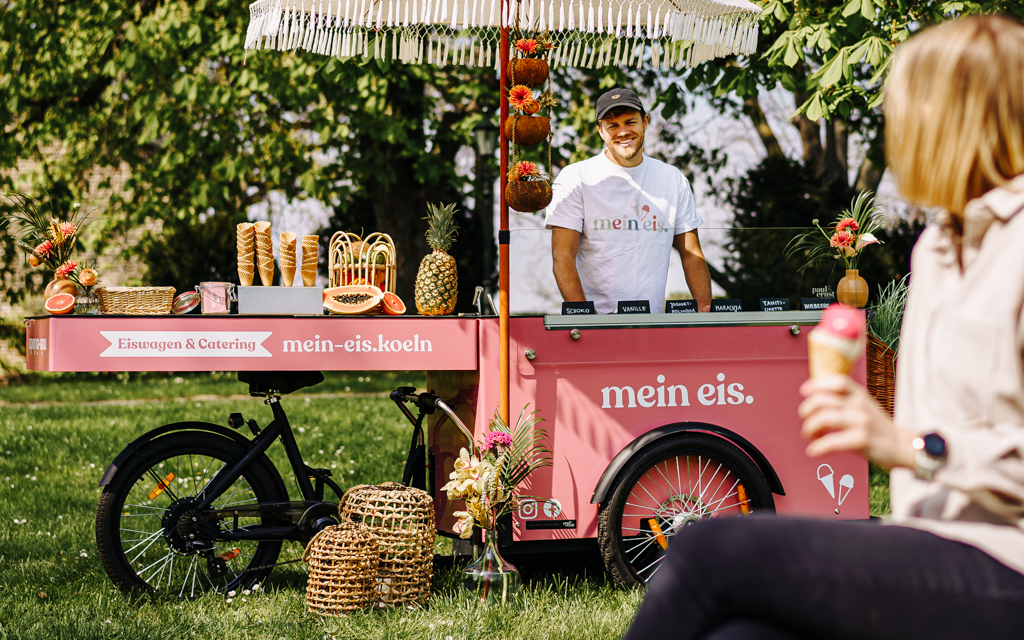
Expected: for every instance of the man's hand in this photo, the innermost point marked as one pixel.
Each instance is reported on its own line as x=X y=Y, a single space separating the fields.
x=565 y=244
x=695 y=268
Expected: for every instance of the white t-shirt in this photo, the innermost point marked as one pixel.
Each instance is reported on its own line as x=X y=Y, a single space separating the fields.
x=628 y=218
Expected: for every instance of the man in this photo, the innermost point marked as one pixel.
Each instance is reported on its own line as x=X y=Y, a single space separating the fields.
x=615 y=218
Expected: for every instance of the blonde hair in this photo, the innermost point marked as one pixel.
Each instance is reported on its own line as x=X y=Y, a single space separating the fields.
x=954 y=108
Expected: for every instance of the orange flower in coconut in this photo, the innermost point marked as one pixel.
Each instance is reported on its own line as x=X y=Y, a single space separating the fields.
x=518 y=96
x=527 y=46
x=531 y=107
x=523 y=170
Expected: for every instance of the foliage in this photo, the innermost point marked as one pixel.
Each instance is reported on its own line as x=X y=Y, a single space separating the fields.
x=853 y=230
x=885 y=317
x=489 y=483
x=775 y=202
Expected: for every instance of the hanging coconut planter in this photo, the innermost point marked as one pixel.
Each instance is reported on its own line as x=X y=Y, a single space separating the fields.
x=527 y=131
x=527 y=190
x=531 y=72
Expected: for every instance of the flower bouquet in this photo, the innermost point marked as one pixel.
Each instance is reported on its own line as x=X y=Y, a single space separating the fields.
x=489 y=483
x=524 y=128
x=529 y=68
x=51 y=240
x=853 y=230
x=527 y=190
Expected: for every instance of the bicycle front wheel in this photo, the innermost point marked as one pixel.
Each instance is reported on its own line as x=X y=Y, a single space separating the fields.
x=146 y=527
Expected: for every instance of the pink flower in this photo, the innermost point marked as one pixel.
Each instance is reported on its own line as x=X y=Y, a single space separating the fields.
x=841 y=239
x=864 y=240
x=44 y=249
x=66 y=269
x=68 y=229
x=497 y=440
x=847 y=223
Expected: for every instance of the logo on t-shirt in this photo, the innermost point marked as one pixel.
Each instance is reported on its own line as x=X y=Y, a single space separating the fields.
x=641 y=219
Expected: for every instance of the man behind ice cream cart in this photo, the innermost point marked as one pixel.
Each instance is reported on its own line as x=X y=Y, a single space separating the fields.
x=615 y=218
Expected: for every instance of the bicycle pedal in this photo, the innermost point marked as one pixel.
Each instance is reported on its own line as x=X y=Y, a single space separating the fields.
x=235 y=420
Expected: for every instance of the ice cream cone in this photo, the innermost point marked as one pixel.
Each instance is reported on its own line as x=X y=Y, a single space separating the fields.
x=267 y=272
x=836 y=344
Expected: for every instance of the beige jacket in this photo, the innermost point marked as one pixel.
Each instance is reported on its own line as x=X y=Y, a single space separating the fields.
x=960 y=374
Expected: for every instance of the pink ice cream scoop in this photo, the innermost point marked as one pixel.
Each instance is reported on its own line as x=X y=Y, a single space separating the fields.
x=836 y=344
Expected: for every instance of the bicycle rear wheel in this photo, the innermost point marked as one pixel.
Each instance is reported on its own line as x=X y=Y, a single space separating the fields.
x=146 y=529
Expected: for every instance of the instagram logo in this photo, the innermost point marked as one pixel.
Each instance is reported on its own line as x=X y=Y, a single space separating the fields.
x=528 y=509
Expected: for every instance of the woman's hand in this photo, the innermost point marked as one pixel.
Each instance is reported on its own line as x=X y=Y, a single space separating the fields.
x=839 y=415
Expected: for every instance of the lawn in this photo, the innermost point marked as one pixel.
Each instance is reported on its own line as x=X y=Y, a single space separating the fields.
x=58 y=434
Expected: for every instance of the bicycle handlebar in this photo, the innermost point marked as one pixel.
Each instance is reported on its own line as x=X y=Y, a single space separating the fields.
x=427 y=403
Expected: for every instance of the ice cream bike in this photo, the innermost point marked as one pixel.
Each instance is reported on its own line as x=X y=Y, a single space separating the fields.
x=656 y=420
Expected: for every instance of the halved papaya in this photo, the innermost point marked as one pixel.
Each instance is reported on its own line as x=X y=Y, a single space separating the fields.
x=352 y=299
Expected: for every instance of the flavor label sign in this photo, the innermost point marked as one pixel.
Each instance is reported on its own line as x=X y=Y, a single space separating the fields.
x=185 y=344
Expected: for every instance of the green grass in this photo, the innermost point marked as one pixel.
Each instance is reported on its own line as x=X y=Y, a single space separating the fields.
x=56 y=440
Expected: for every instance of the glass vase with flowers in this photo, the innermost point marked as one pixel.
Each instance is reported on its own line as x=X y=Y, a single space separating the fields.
x=489 y=482
x=843 y=240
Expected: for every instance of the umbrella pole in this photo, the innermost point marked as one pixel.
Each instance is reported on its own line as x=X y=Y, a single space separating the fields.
x=503 y=233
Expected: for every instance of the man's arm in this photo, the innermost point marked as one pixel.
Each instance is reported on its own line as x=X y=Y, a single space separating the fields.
x=695 y=268
x=565 y=244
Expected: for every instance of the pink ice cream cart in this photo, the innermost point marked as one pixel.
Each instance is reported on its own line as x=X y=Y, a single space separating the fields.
x=655 y=421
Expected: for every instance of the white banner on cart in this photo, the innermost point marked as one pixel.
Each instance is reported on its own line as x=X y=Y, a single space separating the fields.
x=186 y=344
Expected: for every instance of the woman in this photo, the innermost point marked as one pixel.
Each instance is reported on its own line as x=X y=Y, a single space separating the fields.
x=951 y=562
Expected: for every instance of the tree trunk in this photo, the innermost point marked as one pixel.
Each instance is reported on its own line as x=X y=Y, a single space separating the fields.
x=872 y=168
x=752 y=107
x=810 y=135
x=834 y=164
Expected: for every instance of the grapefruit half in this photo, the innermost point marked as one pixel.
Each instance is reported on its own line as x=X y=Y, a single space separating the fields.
x=393 y=305
x=60 y=303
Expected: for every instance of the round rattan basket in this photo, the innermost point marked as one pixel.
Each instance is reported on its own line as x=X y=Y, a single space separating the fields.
x=343 y=562
x=402 y=521
x=136 y=300
x=881 y=372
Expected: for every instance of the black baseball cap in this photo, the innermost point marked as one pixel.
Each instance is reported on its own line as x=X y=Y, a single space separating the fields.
x=618 y=97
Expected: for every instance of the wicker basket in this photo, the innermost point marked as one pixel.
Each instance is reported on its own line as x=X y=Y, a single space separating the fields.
x=136 y=300
x=402 y=520
x=881 y=372
x=343 y=562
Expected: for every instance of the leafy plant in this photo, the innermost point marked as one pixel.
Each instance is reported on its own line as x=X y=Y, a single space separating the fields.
x=886 y=316
x=489 y=483
x=853 y=230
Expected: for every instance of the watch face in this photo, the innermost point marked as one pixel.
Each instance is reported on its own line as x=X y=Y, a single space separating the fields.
x=934 y=445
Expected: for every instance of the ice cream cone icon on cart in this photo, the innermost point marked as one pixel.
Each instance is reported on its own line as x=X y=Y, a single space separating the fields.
x=826 y=475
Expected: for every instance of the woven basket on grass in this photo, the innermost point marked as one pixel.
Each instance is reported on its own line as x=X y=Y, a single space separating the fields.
x=881 y=372
x=136 y=300
x=343 y=562
x=402 y=521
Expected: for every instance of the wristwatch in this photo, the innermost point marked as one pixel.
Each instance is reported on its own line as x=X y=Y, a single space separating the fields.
x=931 y=455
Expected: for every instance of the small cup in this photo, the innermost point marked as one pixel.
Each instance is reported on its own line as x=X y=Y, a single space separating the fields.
x=216 y=297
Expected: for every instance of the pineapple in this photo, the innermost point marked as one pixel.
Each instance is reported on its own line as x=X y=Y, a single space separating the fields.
x=436 y=281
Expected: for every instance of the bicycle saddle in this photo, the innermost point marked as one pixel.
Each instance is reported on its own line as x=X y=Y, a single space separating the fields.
x=262 y=383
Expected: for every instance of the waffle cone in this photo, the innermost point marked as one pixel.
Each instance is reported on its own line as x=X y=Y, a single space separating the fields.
x=824 y=359
x=245 y=273
x=287 y=274
x=308 y=274
x=267 y=273
x=262 y=227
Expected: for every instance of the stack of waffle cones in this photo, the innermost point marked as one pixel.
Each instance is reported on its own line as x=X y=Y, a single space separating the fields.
x=287 y=252
x=246 y=238
x=264 y=253
x=310 y=249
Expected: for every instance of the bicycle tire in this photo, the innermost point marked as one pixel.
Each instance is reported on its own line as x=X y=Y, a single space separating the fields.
x=706 y=477
x=153 y=483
